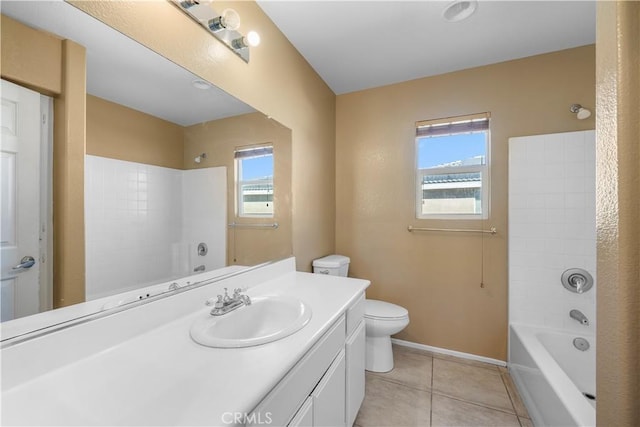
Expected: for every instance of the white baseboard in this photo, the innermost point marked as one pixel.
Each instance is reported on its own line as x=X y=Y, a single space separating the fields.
x=449 y=352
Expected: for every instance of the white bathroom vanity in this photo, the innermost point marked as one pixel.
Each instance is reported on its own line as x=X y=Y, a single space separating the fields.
x=140 y=366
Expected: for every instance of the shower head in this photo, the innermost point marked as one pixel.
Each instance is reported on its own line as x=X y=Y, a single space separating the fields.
x=199 y=157
x=582 y=113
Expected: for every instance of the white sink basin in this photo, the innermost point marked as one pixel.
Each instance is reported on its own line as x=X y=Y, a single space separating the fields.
x=267 y=319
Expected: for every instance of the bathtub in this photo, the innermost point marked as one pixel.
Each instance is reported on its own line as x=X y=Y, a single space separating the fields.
x=553 y=377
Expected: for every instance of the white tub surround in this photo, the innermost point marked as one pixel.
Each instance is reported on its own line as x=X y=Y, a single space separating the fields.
x=143 y=223
x=552 y=229
x=552 y=375
x=140 y=366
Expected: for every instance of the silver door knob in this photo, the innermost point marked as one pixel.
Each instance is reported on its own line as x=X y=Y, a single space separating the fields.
x=25 y=262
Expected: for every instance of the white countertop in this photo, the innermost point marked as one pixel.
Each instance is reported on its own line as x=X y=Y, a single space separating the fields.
x=161 y=376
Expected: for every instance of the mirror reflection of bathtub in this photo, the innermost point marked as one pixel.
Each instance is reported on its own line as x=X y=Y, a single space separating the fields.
x=141 y=233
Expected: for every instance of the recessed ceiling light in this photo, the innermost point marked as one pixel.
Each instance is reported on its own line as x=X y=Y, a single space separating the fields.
x=459 y=10
x=201 y=84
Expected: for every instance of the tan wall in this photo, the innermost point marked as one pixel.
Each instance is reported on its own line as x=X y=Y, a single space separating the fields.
x=119 y=132
x=30 y=57
x=68 y=179
x=437 y=276
x=219 y=139
x=277 y=81
x=618 y=213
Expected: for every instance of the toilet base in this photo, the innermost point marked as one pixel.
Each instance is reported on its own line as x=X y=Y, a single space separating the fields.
x=379 y=355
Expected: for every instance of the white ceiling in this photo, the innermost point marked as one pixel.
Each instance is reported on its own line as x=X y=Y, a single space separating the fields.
x=355 y=45
x=123 y=71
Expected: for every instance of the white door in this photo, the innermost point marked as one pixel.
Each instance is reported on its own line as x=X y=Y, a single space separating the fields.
x=20 y=207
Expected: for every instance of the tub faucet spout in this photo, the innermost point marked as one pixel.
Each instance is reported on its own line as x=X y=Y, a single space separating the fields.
x=577 y=314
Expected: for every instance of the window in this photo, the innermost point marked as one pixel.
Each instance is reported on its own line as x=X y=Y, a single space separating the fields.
x=452 y=167
x=254 y=181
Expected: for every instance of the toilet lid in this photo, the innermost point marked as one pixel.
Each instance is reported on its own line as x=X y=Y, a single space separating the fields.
x=383 y=310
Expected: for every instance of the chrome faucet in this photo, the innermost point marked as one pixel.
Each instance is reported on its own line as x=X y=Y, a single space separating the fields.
x=577 y=314
x=225 y=304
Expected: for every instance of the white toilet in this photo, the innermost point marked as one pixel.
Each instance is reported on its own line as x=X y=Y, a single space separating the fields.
x=382 y=319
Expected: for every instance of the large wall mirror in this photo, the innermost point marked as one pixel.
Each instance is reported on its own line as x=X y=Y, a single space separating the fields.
x=180 y=178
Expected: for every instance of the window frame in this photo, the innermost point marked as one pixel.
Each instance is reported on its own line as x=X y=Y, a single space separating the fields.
x=482 y=169
x=239 y=205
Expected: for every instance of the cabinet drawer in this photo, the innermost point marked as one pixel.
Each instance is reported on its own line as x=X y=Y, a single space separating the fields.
x=286 y=397
x=355 y=314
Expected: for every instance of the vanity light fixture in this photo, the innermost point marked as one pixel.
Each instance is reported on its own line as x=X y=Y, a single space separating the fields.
x=459 y=10
x=581 y=112
x=189 y=3
x=223 y=26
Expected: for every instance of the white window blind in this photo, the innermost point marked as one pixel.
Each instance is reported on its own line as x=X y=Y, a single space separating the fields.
x=253 y=152
x=453 y=125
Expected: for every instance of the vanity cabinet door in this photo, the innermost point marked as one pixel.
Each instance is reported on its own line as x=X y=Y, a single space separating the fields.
x=304 y=416
x=329 y=395
x=283 y=402
x=355 y=354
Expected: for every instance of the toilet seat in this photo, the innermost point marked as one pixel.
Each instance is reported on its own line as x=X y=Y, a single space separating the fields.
x=382 y=310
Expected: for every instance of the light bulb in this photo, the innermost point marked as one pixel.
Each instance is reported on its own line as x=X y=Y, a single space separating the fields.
x=229 y=20
x=253 y=38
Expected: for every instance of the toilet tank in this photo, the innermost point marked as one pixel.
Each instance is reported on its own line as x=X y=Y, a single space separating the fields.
x=333 y=265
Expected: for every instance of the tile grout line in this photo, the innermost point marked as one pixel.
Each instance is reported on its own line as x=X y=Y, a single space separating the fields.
x=482 y=405
x=471 y=402
x=402 y=383
x=510 y=398
x=452 y=358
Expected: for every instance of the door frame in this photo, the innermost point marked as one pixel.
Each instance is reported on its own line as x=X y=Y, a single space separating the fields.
x=46 y=255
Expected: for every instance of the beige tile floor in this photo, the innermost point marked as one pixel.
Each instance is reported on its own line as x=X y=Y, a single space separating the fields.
x=429 y=389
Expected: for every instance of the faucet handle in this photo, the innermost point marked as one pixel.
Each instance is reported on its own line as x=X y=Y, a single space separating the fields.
x=236 y=293
x=226 y=296
x=219 y=303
